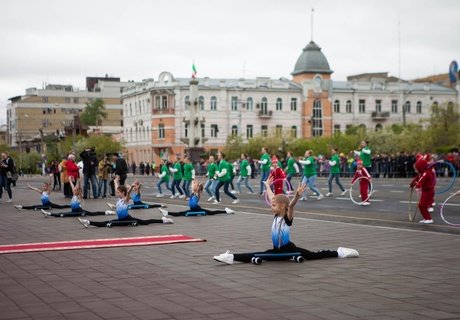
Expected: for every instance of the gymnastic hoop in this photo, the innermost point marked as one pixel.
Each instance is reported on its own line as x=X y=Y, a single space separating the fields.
x=371 y=190
x=442 y=210
x=451 y=171
x=289 y=189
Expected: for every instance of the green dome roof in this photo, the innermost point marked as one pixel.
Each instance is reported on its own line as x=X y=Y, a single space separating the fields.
x=312 y=60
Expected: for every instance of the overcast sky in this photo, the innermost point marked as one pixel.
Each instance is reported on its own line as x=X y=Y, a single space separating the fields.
x=63 y=41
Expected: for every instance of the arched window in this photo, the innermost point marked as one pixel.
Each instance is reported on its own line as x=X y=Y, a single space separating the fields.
x=419 y=107
x=279 y=104
x=336 y=106
x=264 y=106
x=348 y=107
x=249 y=104
x=213 y=103
x=407 y=107
x=317 y=119
x=378 y=127
x=435 y=107
x=234 y=130
x=186 y=103
x=294 y=132
x=201 y=102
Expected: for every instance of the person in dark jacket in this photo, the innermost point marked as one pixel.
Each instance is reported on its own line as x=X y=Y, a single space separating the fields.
x=88 y=156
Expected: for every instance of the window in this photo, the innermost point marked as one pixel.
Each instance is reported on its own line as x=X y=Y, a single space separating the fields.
x=203 y=130
x=407 y=107
x=419 y=107
x=378 y=105
x=234 y=130
x=362 y=106
x=336 y=128
x=76 y=100
x=264 y=131
x=279 y=130
x=234 y=104
x=394 y=106
x=161 y=131
x=264 y=106
x=279 y=104
x=67 y=100
x=294 y=132
x=249 y=131
x=336 y=106
x=348 y=107
x=214 y=130
x=435 y=107
x=201 y=102
x=164 y=102
x=213 y=103
x=378 y=127
x=317 y=119
x=293 y=104
x=249 y=104
x=186 y=103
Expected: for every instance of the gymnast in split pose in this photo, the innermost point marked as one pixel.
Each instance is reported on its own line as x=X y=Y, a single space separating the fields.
x=124 y=218
x=193 y=202
x=283 y=210
x=45 y=192
x=75 y=205
x=136 y=198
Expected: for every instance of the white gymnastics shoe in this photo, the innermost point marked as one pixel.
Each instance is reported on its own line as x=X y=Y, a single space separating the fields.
x=347 y=253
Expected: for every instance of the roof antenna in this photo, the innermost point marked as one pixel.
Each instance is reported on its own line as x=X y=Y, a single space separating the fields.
x=311 y=20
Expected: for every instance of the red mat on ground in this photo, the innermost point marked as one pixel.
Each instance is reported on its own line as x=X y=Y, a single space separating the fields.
x=96 y=243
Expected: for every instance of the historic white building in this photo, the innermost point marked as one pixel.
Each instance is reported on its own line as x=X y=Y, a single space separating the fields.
x=310 y=104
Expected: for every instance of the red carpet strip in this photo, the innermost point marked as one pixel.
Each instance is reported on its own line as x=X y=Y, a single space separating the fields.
x=96 y=243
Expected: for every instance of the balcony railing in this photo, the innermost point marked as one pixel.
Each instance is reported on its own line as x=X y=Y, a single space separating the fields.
x=380 y=115
x=265 y=114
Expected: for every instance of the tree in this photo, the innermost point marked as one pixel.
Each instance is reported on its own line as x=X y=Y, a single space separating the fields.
x=93 y=113
x=444 y=127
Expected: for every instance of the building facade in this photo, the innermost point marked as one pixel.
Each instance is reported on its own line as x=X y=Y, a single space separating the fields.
x=309 y=105
x=53 y=109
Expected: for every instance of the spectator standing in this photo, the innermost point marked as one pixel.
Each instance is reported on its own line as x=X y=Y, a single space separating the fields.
x=90 y=164
x=7 y=168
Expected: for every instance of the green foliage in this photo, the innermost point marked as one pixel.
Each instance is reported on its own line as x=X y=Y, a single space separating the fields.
x=30 y=163
x=94 y=113
x=102 y=143
x=234 y=147
x=441 y=135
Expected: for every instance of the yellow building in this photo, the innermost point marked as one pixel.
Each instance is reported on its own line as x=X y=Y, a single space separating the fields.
x=54 y=108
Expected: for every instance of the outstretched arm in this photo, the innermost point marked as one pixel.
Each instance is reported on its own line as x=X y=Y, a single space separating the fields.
x=33 y=188
x=268 y=189
x=300 y=189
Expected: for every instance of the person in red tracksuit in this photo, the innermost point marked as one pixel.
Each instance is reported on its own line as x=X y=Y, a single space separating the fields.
x=424 y=181
x=361 y=171
x=278 y=177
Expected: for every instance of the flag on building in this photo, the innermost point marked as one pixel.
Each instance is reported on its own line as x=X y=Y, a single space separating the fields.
x=193 y=71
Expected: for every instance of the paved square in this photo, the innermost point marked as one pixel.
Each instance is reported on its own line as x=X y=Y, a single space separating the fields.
x=400 y=274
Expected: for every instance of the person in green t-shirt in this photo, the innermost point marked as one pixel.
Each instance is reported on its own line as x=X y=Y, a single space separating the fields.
x=245 y=173
x=264 y=166
x=291 y=168
x=189 y=175
x=223 y=175
x=211 y=183
x=365 y=156
x=176 y=171
x=334 y=172
x=309 y=174
x=164 y=177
